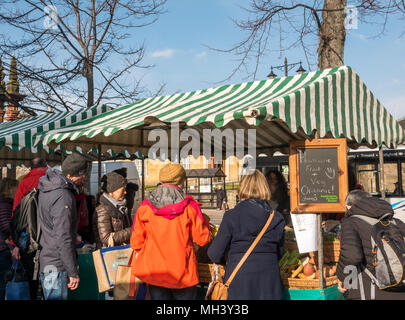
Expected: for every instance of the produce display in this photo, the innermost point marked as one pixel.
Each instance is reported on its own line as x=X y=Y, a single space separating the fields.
x=295 y=266
x=300 y=271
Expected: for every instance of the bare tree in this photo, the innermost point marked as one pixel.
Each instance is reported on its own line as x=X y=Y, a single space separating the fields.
x=317 y=26
x=74 y=53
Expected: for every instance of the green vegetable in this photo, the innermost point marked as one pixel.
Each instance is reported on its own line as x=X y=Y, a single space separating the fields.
x=283 y=261
x=293 y=258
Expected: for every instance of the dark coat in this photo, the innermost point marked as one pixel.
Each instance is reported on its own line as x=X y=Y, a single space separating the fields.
x=355 y=246
x=109 y=219
x=58 y=219
x=259 y=277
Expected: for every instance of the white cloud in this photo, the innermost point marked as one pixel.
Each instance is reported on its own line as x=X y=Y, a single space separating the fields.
x=201 y=55
x=166 y=53
x=360 y=36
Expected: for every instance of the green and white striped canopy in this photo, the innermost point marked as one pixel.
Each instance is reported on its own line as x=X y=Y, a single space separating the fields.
x=334 y=102
x=16 y=137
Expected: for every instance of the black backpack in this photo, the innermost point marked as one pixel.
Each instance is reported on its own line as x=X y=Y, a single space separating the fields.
x=388 y=251
x=25 y=226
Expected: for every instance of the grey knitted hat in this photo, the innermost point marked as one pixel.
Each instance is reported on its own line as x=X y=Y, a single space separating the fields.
x=75 y=165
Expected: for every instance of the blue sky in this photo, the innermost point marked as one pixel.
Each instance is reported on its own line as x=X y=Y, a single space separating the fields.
x=176 y=45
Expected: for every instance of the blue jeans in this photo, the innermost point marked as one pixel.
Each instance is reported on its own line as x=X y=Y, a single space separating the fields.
x=5 y=266
x=161 y=293
x=54 y=285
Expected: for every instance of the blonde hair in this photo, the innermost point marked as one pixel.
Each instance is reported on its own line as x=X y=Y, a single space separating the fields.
x=8 y=188
x=254 y=186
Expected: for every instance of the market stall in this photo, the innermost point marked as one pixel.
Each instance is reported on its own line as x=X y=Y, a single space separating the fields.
x=265 y=116
x=16 y=137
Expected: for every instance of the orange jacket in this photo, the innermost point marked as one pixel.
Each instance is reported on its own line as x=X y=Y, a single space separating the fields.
x=163 y=239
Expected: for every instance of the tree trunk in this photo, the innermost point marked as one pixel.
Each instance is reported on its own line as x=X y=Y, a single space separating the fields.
x=88 y=74
x=90 y=89
x=332 y=35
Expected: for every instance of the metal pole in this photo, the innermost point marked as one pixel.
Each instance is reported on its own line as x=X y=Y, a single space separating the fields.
x=320 y=242
x=320 y=251
x=99 y=150
x=382 y=186
x=143 y=178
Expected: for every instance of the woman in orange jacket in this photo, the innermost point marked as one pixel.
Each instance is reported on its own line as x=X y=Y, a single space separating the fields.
x=164 y=229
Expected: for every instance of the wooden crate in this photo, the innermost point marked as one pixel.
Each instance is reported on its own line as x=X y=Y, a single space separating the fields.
x=296 y=283
x=331 y=250
x=206 y=271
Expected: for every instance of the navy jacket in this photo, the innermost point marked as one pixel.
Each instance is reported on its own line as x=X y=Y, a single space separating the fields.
x=259 y=277
x=58 y=219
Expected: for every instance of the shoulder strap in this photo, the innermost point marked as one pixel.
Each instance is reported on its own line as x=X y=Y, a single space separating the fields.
x=371 y=221
x=252 y=246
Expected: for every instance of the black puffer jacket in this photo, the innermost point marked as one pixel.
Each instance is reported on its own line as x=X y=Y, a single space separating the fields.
x=356 y=246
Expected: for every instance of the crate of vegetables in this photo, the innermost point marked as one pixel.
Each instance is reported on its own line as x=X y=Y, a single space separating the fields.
x=306 y=275
x=288 y=263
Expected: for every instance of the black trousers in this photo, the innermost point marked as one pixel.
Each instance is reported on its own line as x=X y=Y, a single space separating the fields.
x=161 y=293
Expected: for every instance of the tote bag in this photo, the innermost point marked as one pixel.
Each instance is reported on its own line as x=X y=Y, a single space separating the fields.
x=127 y=286
x=106 y=262
x=17 y=287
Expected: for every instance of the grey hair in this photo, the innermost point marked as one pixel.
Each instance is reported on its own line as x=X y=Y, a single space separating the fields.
x=356 y=195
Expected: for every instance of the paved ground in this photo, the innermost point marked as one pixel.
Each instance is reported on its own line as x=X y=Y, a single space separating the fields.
x=215 y=215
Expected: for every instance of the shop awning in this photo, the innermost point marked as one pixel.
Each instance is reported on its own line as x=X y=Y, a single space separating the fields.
x=334 y=102
x=205 y=173
x=16 y=137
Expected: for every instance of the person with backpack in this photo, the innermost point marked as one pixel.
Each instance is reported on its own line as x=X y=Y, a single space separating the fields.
x=7 y=190
x=59 y=221
x=27 y=184
x=372 y=248
x=164 y=229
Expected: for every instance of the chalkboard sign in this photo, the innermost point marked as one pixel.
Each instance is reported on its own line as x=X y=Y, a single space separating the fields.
x=318 y=175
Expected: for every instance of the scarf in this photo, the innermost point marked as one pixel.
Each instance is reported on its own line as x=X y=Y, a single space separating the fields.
x=120 y=205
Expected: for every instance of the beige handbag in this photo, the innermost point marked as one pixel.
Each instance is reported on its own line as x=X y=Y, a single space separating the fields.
x=106 y=262
x=217 y=289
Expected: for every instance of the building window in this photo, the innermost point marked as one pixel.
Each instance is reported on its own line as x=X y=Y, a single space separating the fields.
x=185 y=163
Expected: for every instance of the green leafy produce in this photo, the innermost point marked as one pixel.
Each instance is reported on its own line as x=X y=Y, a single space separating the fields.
x=293 y=257
x=283 y=261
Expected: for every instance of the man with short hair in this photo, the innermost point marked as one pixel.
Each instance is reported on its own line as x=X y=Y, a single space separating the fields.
x=29 y=182
x=356 y=247
x=58 y=218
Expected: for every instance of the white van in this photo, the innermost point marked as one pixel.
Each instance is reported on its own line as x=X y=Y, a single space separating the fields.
x=109 y=166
